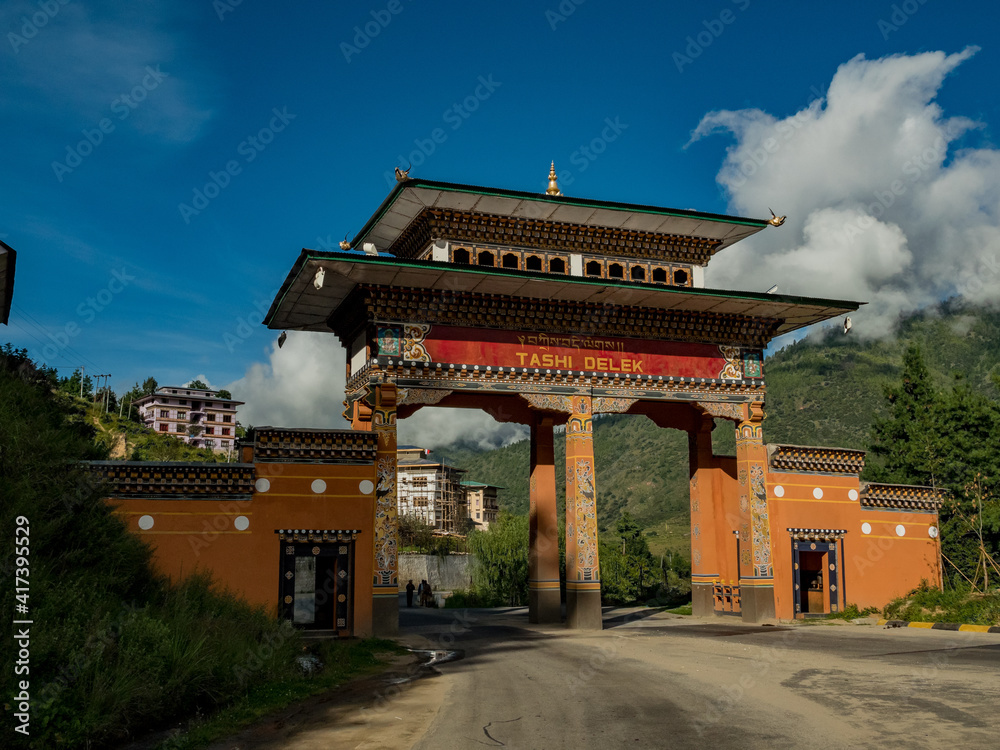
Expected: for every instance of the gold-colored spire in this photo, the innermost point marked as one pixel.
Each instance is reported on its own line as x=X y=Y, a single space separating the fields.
x=553 y=185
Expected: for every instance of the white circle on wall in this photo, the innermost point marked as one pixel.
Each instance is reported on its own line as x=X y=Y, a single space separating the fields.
x=366 y=487
x=932 y=532
x=242 y=523
x=779 y=491
x=146 y=523
x=900 y=530
x=318 y=486
x=866 y=528
x=853 y=494
x=262 y=485
x=818 y=493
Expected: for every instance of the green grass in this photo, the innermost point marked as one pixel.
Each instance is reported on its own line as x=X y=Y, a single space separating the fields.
x=342 y=660
x=852 y=612
x=929 y=605
x=686 y=609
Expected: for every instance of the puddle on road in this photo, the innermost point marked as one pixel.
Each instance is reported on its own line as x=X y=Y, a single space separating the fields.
x=432 y=657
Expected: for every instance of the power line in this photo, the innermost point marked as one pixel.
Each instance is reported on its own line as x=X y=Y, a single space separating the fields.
x=42 y=328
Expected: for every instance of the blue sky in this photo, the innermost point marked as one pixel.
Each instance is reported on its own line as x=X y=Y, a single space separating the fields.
x=115 y=115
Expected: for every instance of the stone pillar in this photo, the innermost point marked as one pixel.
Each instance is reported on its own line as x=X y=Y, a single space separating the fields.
x=704 y=557
x=385 y=579
x=583 y=584
x=543 y=551
x=756 y=567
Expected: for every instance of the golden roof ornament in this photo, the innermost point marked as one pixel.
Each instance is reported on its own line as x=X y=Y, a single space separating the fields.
x=553 y=184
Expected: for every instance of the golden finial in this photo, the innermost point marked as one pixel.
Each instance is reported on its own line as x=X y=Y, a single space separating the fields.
x=553 y=185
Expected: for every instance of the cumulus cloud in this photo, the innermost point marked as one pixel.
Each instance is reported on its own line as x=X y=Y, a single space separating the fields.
x=434 y=427
x=301 y=384
x=887 y=201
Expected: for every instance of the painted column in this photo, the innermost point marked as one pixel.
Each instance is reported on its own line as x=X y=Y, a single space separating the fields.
x=756 y=567
x=543 y=551
x=583 y=584
x=704 y=555
x=381 y=417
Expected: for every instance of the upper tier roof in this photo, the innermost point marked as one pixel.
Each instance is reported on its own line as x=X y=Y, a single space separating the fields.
x=7 y=261
x=396 y=227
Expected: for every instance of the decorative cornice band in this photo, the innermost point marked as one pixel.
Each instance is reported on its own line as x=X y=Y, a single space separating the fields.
x=814 y=459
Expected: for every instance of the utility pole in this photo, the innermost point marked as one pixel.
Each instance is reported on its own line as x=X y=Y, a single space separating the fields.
x=83 y=371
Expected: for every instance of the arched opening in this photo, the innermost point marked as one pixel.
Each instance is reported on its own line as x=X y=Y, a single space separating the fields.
x=680 y=277
x=638 y=273
x=533 y=263
x=510 y=260
x=594 y=268
x=460 y=255
x=616 y=271
x=557 y=265
x=660 y=275
x=486 y=258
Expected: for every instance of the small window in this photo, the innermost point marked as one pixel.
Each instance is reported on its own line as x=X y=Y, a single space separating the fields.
x=680 y=277
x=173 y=391
x=182 y=415
x=616 y=271
x=227 y=417
x=461 y=255
x=208 y=405
x=163 y=426
x=533 y=263
x=557 y=265
x=209 y=443
x=209 y=430
x=210 y=418
x=225 y=430
x=638 y=273
x=510 y=260
x=594 y=268
x=486 y=259
x=660 y=275
x=179 y=428
x=164 y=414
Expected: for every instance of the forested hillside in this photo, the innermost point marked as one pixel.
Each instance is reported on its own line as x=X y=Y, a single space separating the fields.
x=823 y=390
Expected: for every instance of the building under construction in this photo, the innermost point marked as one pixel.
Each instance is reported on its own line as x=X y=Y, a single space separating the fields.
x=430 y=491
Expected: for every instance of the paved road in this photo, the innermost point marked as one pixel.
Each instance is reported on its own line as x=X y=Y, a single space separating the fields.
x=664 y=681
x=653 y=680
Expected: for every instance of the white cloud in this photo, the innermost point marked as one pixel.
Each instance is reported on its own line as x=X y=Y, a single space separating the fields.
x=883 y=206
x=302 y=385
x=434 y=427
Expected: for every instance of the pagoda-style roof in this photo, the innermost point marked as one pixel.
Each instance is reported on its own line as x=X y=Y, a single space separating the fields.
x=418 y=211
x=8 y=258
x=300 y=306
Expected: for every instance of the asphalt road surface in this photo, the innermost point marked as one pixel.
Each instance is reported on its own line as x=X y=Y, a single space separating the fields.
x=655 y=680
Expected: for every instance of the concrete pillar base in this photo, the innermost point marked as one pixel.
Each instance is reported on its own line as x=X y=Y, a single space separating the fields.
x=583 y=608
x=385 y=615
x=544 y=605
x=757 y=604
x=702 y=600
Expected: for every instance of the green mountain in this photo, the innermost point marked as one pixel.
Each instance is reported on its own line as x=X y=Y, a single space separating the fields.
x=823 y=390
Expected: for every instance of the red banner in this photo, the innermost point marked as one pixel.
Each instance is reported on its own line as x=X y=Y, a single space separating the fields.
x=589 y=353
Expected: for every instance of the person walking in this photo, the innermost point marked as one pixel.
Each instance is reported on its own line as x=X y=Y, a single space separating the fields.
x=420 y=593
x=428 y=597
x=409 y=593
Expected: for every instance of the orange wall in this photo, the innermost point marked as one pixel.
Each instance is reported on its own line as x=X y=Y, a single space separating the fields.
x=190 y=535
x=874 y=567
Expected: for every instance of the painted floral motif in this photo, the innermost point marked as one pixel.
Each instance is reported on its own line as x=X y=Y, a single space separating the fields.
x=697 y=557
x=696 y=531
x=607 y=405
x=725 y=410
x=743 y=477
x=744 y=504
x=549 y=402
x=413 y=346
x=759 y=519
x=385 y=523
x=586 y=514
x=732 y=370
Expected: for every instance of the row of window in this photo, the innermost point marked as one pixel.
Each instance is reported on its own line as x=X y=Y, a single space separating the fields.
x=165 y=427
x=165 y=414
x=205 y=404
x=605 y=269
